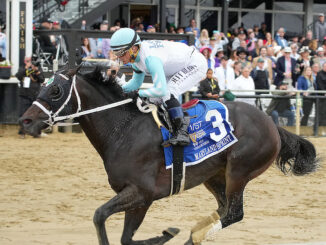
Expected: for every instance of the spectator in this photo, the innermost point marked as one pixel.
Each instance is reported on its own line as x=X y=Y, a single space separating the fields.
x=256 y=31
x=306 y=83
x=321 y=85
x=86 y=48
x=208 y=87
x=221 y=40
x=268 y=41
x=31 y=78
x=236 y=42
x=260 y=75
x=251 y=41
x=105 y=41
x=218 y=56
x=304 y=60
x=267 y=62
x=294 y=51
x=233 y=58
x=237 y=67
x=256 y=52
x=212 y=45
x=83 y=25
x=320 y=28
x=280 y=39
x=3 y=50
x=192 y=26
x=263 y=31
x=324 y=46
x=100 y=47
x=204 y=38
x=151 y=29
x=315 y=69
x=281 y=107
x=242 y=54
x=180 y=30
x=139 y=27
x=308 y=39
x=320 y=59
x=244 y=82
x=45 y=40
x=224 y=74
x=285 y=69
x=172 y=29
x=206 y=51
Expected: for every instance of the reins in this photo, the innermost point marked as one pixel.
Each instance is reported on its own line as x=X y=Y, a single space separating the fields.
x=53 y=117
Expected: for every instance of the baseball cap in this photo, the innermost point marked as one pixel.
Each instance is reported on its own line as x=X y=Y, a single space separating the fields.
x=242 y=32
x=150 y=27
x=260 y=60
x=320 y=49
x=321 y=14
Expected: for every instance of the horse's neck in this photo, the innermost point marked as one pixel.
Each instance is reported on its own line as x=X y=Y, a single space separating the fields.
x=105 y=129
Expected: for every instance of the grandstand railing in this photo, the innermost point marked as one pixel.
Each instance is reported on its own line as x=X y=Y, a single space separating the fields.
x=297 y=95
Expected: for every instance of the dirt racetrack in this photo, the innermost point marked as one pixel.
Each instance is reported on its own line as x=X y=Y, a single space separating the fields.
x=51 y=186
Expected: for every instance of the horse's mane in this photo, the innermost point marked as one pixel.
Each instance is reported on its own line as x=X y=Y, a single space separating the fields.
x=106 y=87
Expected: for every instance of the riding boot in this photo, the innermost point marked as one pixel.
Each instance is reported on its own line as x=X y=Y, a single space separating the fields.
x=180 y=135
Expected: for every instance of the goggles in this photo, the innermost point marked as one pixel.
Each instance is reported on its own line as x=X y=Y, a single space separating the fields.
x=120 y=53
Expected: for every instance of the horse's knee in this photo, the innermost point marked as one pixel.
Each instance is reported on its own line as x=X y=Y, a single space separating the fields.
x=99 y=217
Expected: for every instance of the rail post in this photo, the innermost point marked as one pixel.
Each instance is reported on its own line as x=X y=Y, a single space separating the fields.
x=298 y=105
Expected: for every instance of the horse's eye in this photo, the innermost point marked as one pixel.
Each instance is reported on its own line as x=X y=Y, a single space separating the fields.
x=55 y=92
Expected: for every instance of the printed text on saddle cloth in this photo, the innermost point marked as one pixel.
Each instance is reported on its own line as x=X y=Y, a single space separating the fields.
x=210 y=132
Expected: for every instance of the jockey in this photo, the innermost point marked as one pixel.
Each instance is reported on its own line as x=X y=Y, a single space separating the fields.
x=175 y=68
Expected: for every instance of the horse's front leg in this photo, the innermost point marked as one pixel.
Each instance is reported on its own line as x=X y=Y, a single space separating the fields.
x=129 y=198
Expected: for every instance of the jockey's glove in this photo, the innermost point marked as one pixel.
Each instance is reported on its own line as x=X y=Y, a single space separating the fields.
x=132 y=95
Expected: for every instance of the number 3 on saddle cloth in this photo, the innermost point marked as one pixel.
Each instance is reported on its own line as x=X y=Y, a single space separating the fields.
x=210 y=132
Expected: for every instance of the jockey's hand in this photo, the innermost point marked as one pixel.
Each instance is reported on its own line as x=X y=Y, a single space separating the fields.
x=132 y=95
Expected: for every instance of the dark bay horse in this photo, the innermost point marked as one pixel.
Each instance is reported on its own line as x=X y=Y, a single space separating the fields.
x=129 y=142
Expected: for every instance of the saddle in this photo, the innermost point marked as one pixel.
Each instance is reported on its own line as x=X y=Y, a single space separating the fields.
x=161 y=117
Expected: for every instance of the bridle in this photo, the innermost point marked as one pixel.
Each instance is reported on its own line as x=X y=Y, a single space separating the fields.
x=53 y=116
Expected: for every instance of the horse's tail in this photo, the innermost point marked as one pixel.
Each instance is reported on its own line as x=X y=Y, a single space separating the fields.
x=296 y=152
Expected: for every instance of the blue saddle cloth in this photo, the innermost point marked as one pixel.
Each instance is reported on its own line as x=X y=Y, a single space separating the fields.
x=210 y=132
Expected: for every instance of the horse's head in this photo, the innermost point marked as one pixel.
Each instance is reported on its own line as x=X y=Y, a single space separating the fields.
x=54 y=98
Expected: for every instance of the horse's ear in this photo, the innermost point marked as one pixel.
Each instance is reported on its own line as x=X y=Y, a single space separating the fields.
x=72 y=72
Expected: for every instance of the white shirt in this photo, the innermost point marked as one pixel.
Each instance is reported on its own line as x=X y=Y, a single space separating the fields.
x=224 y=77
x=242 y=83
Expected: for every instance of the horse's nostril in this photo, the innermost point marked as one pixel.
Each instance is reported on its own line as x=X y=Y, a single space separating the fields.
x=27 y=121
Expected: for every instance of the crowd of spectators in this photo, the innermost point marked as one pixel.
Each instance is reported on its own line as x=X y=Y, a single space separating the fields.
x=246 y=59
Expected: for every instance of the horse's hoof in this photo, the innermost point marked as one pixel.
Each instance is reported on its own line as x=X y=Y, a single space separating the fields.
x=171 y=232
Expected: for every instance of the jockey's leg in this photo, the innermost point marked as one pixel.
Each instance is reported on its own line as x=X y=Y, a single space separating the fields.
x=178 y=84
x=180 y=123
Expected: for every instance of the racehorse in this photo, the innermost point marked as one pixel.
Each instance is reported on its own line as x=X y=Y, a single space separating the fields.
x=129 y=142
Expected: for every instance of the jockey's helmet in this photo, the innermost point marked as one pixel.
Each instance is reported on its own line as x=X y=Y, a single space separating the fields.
x=122 y=40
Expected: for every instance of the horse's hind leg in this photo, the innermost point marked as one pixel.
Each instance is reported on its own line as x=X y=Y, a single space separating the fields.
x=217 y=186
x=231 y=213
